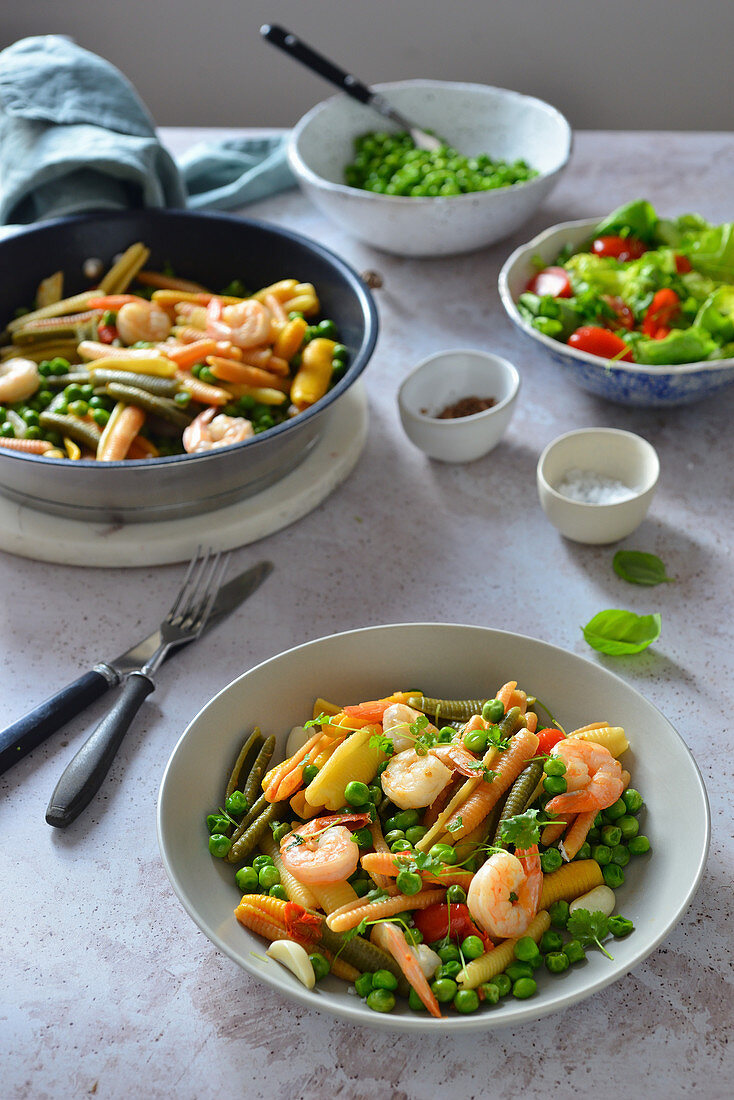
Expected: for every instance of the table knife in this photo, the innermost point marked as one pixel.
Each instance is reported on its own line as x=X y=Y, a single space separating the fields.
x=32 y=729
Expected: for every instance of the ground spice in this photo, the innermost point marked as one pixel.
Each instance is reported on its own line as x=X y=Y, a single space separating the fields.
x=466 y=406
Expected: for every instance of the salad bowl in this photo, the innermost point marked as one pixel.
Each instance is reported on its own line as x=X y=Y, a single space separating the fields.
x=623 y=383
x=450 y=661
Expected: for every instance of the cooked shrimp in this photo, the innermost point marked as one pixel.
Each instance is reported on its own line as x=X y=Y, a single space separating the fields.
x=19 y=380
x=142 y=321
x=246 y=324
x=322 y=851
x=399 y=717
x=412 y=781
x=209 y=431
x=504 y=893
x=593 y=777
x=391 y=938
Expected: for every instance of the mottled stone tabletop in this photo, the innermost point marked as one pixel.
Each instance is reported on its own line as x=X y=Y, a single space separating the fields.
x=108 y=988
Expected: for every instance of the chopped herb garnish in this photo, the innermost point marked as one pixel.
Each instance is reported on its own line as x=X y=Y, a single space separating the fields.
x=589 y=928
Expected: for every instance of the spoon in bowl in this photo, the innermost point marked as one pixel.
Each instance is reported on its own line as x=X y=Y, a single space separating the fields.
x=348 y=83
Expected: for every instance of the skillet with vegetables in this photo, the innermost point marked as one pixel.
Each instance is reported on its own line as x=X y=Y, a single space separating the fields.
x=642 y=289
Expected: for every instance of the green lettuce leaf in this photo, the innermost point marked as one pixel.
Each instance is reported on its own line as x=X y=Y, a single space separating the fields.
x=716 y=315
x=635 y=219
x=690 y=345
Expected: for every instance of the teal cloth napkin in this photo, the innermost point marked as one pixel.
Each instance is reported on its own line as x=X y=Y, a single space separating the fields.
x=75 y=137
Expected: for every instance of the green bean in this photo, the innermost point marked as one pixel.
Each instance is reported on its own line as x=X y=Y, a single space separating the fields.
x=257 y=808
x=518 y=799
x=243 y=762
x=362 y=954
x=459 y=709
x=88 y=435
x=158 y=406
x=254 y=779
x=253 y=834
x=150 y=383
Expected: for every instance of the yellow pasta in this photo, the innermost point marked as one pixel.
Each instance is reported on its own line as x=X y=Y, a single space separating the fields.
x=612 y=738
x=355 y=759
x=334 y=895
x=494 y=962
x=295 y=890
x=570 y=881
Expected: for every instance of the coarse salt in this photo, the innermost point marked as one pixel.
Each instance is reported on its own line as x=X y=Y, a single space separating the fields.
x=592 y=488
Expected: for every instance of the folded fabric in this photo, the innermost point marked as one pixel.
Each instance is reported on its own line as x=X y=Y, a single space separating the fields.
x=75 y=137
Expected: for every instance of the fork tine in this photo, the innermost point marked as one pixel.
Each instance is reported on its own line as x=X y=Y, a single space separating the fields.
x=189 y=585
x=202 y=598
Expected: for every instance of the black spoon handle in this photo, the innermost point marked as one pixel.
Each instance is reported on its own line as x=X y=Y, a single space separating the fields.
x=292 y=45
x=83 y=776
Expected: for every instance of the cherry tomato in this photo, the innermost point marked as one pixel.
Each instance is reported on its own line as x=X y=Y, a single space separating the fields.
x=621 y=248
x=548 y=737
x=682 y=264
x=434 y=923
x=624 y=317
x=601 y=342
x=553 y=281
x=106 y=334
x=659 y=313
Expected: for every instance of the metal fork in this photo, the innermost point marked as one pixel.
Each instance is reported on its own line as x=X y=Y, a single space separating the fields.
x=84 y=774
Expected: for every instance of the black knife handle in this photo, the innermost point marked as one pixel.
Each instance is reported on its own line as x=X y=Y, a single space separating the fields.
x=33 y=728
x=292 y=45
x=83 y=776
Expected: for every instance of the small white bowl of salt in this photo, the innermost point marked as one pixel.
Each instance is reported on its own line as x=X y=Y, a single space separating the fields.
x=596 y=484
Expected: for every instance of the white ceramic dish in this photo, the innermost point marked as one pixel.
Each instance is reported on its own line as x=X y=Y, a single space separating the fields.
x=623 y=383
x=443 y=379
x=448 y=660
x=474 y=118
x=607 y=452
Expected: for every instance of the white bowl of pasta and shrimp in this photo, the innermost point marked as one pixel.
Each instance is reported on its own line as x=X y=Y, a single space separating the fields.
x=394 y=696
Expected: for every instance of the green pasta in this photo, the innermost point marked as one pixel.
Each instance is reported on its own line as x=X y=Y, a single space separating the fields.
x=519 y=796
x=245 y=760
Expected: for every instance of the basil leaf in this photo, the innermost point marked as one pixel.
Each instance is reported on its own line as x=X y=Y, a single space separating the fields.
x=618 y=632
x=639 y=568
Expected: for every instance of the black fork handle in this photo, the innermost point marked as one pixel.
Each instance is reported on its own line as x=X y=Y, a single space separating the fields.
x=84 y=774
x=292 y=45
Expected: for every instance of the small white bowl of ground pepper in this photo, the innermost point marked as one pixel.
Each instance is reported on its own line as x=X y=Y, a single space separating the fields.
x=456 y=405
x=596 y=484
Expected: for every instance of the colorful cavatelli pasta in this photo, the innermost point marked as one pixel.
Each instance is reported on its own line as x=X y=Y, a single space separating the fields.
x=437 y=862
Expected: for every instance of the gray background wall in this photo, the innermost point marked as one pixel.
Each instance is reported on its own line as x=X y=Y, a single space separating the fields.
x=626 y=64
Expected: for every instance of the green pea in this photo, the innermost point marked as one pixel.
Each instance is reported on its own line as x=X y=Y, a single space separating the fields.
x=268 y=876
x=362 y=838
x=237 y=804
x=415 y=833
x=466 y=1001
x=519 y=969
x=72 y=392
x=554 y=784
x=525 y=949
x=448 y=953
x=613 y=875
x=550 y=860
x=503 y=983
x=556 y=962
x=381 y=1000
x=7 y=430
x=309 y=773
x=456 y=895
x=554 y=766
x=406 y=819
x=611 y=835
x=615 y=811
x=448 y=970
x=551 y=941
x=393 y=835
x=594 y=835
x=219 y=845
x=599 y=820
x=415 y=1002
x=574 y=952
x=413 y=936
x=363 y=984
x=401 y=846
x=278 y=891
x=376 y=795
x=247 y=880
x=408 y=882
x=32 y=432
x=584 y=851
x=446 y=735
x=100 y=417
x=493 y=710
x=217 y=823
x=628 y=826
x=30 y=416
x=327 y=329
x=444 y=990
x=443 y=852
x=490 y=992
x=632 y=800
x=559 y=913
x=638 y=845
x=183 y=399
x=362 y=886
x=321 y=966
x=262 y=861
x=620 y=926
x=356 y=793
x=60 y=365
x=524 y=988
x=602 y=854
x=281 y=831
x=620 y=855
x=384 y=979
x=476 y=741
x=472 y=947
